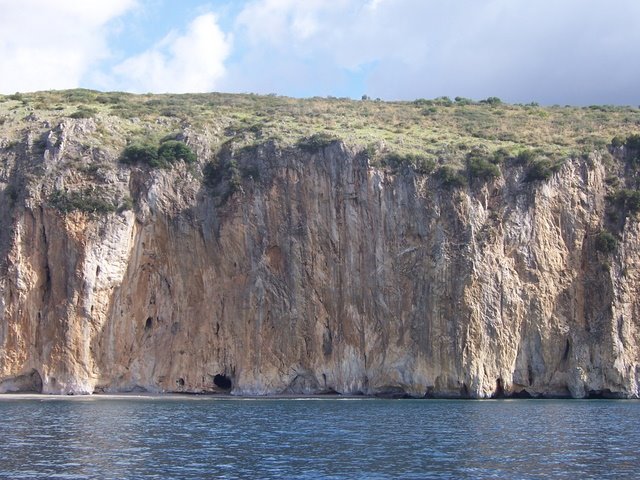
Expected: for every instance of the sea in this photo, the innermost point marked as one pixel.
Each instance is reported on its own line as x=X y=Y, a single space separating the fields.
x=200 y=437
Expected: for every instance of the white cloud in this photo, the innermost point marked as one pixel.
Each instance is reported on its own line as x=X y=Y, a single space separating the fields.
x=192 y=62
x=570 y=51
x=48 y=44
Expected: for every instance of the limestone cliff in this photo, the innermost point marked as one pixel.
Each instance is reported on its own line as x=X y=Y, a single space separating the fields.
x=316 y=272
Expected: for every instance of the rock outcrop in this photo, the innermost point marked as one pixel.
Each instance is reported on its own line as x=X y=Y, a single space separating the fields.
x=316 y=273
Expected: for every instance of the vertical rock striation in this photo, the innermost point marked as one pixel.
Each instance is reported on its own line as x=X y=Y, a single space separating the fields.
x=319 y=274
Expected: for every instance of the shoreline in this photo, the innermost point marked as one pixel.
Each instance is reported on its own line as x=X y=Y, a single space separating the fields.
x=226 y=396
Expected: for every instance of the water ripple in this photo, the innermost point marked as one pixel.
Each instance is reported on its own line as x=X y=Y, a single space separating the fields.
x=373 y=439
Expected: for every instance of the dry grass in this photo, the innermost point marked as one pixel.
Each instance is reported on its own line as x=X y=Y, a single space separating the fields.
x=441 y=131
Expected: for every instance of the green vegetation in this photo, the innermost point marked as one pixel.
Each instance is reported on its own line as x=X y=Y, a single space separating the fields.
x=541 y=170
x=538 y=166
x=418 y=163
x=492 y=101
x=605 y=242
x=91 y=200
x=316 y=142
x=633 y=143
x=403 y=127
x=450 y=177
x=626 y=200
x=84 y=112
x=163 y=156
x=140 y=153
x=481 y=168
x=171 y=151
x=457 y=142
x=222 y=177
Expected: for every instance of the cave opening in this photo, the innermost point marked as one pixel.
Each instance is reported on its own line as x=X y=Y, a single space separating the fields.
x=499 y=392
x=222 y=381
x=180 y=382
x=464 y=391
x=605 y=393
x=524 y=393
x=148 y=324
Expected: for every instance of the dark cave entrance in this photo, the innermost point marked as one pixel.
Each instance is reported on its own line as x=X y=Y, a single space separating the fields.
x=499 y=392
x=222 y=381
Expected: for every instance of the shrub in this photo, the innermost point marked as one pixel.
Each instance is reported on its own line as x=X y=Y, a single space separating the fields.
x=526 y=156
x=110 y=98
x=605 y=242
x=126 y=204
x=541 y=169
x=223 y=178
x=140 y=153
x=173 y=150
x=212 y=173
x=168 y=153
x=316 y=142
x=89 y=201
x=480 y=167
x=450 y=177
x=633 y=142
x=463 y=101
x=83 y=112
x=626 y=199
x=235 y=178
x=492 y=101
x=500 y=156
x=617 y=141
x=444 y=101
x=419 y=163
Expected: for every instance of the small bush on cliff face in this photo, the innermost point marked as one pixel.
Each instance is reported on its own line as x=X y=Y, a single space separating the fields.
x=212 y=174
x=541 y=170
x=139 y=153
x=481 y=167
x=419 y=163
x=89 y=201
x=316 y=142
x=633 y=142
x=526 y=156
x=167 y=153
x=605 y=242
x=171 y=151
x=224 y=178
x=626 y=200
x=617 y=141
x=500 y=156
x=450 y=177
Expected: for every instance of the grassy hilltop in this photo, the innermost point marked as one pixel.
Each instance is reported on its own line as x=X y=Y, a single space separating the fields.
x=422 y=132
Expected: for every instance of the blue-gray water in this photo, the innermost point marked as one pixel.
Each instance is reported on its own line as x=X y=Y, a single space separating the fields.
x=317 y=438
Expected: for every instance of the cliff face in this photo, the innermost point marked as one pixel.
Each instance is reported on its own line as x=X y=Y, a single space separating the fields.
x=319 y=273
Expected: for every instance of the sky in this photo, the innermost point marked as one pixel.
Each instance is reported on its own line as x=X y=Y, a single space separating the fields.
x=577 y=52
